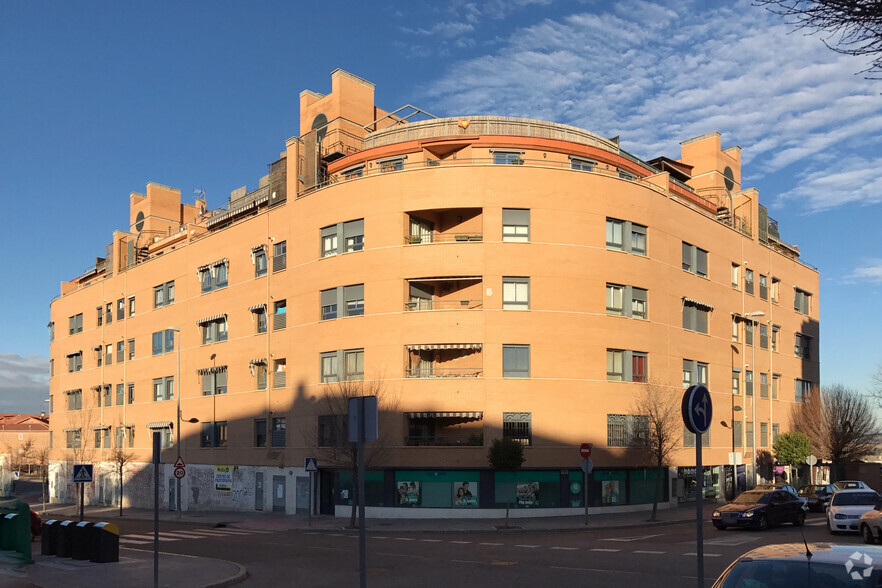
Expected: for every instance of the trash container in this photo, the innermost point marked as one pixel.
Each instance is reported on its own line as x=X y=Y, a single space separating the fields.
x=8 y=529
x=64 y=539
x=105 y=546
x=82 y=541
x=49 y=537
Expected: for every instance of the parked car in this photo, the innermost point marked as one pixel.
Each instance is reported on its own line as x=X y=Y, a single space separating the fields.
x=817 y=495
x=847 y=507
x=36 y=525
x=759 y=509
x=851 y=485
x=871 y=524
x=790 y=565
x=786 y=488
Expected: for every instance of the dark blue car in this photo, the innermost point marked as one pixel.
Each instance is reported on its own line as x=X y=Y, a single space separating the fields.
x=760 y=509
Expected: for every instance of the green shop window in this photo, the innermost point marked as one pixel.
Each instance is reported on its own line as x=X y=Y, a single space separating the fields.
x=441 y=489
x=527 y=489
x=373 y=489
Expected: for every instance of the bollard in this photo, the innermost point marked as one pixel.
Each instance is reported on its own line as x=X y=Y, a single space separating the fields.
x=82 y=541
x=64 y=538
x=49 y=537
x=105 y=543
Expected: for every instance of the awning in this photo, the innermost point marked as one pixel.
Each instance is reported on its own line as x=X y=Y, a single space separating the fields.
x=258 y=248
x=259 y=361
x=698 y=303
x=71 y=430
x=212 y=370
x=74 y=391
x=96 y=388
x=202 y=268
x=80 y=352
x=445 y=279
x=211 y=318
x=257 y=307
x=101 y=428
x=160 y=425
x=468 y=416
x=432 y=346
x=97 y=348
x=236 y=211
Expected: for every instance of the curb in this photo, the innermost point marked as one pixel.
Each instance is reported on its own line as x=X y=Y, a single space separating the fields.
x=239 y=576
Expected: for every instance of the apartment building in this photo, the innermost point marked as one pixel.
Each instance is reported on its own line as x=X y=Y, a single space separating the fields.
x=485 y=276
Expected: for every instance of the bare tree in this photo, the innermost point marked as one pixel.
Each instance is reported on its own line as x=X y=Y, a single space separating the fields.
x=839 y=422
x=663 y=432
x=851 y=27
x=121 y=458
x=329 y=437
x=42 y=457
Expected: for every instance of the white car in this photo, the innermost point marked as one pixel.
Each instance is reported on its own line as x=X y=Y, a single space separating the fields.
x=847 y=507
x=871 y=525
x=851 y=485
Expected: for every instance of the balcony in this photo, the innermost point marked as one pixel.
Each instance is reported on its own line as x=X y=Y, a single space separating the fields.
x=444 y=429
x=445 y=225
x=433 y=237
x=448 y=293
x=444 y=360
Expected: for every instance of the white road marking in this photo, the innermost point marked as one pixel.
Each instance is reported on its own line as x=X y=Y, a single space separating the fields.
x=431 y=540
x=634 y=538
x=466 y=561
x=405 y=539
x=593 y=570
x=816 y=523
x=650 y=552
x=606 y=550
x=133 y=541
x=181 y=534
x=494 y=544
x=150 y=537
x=401 y=555
x=322 y=548
x=565 y=548
x=528 y=546
x=732 y=541
x=381 y=538
x=705 y=555
x=460 y=542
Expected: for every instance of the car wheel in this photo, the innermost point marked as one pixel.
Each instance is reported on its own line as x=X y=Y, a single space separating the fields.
x=799 y=520
x=830 y=529
x=719 y=526
x=867 y=534
x=762 y=522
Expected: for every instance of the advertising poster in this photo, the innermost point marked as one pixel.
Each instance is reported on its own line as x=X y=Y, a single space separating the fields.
x=408 y=493
x=223 y=478
x=528 y=493
x=611 y=492
x=465 y=494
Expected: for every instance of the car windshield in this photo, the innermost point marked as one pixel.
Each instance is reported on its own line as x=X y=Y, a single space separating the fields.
x=751 y=498
x=764 y=573
x=855 y=498
x=808 y=490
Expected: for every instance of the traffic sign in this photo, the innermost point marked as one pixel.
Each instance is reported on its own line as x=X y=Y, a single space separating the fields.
x=15 y=475
x=82 y=473
x=180 y=473
x=585 y=450
x=587 y=466
x=811 y=460
x=697 y=409
x=180 y=463
x=311 y=465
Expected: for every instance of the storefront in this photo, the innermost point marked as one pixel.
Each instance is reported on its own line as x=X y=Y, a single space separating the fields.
x=713 y=483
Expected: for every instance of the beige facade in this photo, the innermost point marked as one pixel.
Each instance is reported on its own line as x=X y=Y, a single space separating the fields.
x=495 y=276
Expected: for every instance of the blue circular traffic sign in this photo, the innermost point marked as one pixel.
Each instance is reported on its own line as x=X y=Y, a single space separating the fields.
x=697 y=409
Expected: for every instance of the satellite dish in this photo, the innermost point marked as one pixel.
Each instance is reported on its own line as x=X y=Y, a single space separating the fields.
x=320 y=126
x=139 y=221
x=728 y=178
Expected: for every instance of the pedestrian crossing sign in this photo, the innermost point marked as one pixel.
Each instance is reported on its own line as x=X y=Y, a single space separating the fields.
x=82 y=473
x=311 y=465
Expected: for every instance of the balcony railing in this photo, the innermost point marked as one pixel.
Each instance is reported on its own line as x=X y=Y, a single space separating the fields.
x=441 y=441
x=436 y=372
x=425 y=304
x=443 y=238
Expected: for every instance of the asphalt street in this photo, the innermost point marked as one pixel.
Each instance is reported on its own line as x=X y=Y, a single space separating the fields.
x=663 y=556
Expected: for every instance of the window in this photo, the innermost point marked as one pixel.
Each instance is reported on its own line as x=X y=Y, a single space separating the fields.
x=764 y=385
x=626 y=175
x=329 y=241
x=775 y=429
x=51 y=367
x=748 y=434
x=51 y=332
x=73 y=438
x=392 y=164
x=357 y=171
x=736 y=277
x=100 y=312
x=258 y=257
x=515 y=361
x=517 y=426
x=736 y=433
x=626 y=366
x=748 y=281
x=694 y=260
x=74 y=399
x=131 y=306
x=352 y=361
x=280 y=256
x=75 y=362
x=764 y=287
x=120 y=394
x=626 y=430
x=166 y=439
x=748 y=382
x=775 y=329
x=353 y=364
x=107 y=438
x=748 y=332
x=280 y=315
x=260 y=433
x=214 y=276
x=350 y=234
x=801 y=301
x=214 y=331
x=163 y=388
x=508 y=157
x=802 y=390
x=695 y=315
x=618 y=230
x=278 y=432
x=120 y=309
x=333 y=430
x=776 y=382
x=330 y=369
x=76 y=324
x=764 y=336
x=736 y=382
x=614 y=296
x=120 y=351
x=164 y=294
x=735 y=328
x=764 y=434
x=689 y=438
x=260 y=372
x=351 y=298
x=694 y=372
x=108 y=354
x=626 y=301
x=130 y=396
x=802 y=346
x=120 y=436
x=108 y=317
x=163 y=342
x=515 y=293
x=279 y=371
x=776 y=286
x=516 y=225
x=214 y=382
x=214 y=434
x=131 y=343
x=582 y=164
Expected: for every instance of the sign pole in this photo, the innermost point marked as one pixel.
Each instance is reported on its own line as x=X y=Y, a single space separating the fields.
x=309 y=512
x=699 y=509
x=82 y=499
x=585 y=492
x=156 y=451
x=362 y=544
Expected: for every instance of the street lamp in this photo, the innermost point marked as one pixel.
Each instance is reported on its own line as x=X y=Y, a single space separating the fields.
x=178 y=423
x=754 y=324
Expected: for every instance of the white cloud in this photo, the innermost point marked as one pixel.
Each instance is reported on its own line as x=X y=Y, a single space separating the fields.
x=24 y=383
x=871 y=271
x=855 y=180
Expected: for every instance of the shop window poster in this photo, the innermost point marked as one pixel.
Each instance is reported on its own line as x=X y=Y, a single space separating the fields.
x=464 y=494
x=528 y=494
x=611 y=492
x=409 y=493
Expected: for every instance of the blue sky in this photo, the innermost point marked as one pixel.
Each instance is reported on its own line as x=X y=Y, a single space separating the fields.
x=98 y=98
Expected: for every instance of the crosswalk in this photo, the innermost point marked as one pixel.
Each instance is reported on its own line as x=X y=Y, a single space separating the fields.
x=191 y=534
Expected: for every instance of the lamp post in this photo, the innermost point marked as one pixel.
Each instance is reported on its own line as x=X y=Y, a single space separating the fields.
x=178 y=421
x=754 y=324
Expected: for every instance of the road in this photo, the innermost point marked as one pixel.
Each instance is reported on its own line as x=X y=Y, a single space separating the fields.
x=663 y=556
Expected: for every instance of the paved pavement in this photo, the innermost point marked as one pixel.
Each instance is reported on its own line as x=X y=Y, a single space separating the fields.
x=136 y=560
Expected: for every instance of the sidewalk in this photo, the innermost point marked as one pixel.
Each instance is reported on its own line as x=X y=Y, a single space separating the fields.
x=135 y=567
